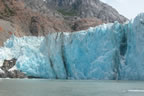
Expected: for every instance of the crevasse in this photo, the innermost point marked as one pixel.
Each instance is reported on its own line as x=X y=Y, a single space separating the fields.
x=106 y=52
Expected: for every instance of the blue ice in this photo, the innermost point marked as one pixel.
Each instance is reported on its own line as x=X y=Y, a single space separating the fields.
x=106 y=52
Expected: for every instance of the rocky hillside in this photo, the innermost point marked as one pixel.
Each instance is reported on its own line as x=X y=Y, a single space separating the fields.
x=39 y=17
x=87 y=9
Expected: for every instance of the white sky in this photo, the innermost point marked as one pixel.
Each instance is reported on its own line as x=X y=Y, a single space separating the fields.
x=127 y=8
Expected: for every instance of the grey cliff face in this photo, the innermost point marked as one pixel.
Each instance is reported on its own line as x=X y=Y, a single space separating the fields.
x=80 y=8
x=88 y=9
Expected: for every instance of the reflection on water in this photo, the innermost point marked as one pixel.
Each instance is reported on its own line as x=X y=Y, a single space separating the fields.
x=27 y=87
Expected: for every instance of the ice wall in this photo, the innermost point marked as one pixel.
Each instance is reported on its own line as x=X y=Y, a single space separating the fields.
x=23 y=49
x=133 y=67
x=89 y=54
x=109 y=51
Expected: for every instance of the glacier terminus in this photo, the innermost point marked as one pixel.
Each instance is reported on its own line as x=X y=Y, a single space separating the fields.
x=111 y=51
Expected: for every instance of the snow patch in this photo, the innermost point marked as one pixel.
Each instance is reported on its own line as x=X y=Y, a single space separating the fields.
x=13 y=68
x=1 y=71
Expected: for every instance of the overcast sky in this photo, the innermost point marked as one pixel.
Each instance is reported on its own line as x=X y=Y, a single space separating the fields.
x=128 y=8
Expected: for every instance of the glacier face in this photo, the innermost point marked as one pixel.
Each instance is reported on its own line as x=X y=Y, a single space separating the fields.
x=133 y=68
x=90 y=54
x=106 y=52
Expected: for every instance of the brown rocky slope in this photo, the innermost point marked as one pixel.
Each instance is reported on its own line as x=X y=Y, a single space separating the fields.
x=38 y=17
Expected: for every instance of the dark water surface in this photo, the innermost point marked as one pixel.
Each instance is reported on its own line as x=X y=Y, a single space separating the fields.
x=27 y=87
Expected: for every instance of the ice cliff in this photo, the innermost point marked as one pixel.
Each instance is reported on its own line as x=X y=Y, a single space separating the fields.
x=133 y=67
x=106 y=52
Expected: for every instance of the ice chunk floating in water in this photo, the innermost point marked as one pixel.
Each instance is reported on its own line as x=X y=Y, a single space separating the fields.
x=109 y=51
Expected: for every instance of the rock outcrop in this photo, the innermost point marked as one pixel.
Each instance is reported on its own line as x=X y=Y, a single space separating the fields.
x=8 y=70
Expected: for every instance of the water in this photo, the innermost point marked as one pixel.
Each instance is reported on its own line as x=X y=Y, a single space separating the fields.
x=26 y=87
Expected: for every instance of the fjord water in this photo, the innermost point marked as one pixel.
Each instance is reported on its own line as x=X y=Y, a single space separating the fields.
x=30 y=87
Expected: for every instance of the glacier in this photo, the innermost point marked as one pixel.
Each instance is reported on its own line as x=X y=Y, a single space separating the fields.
x=133 y=68
x=111 y=51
